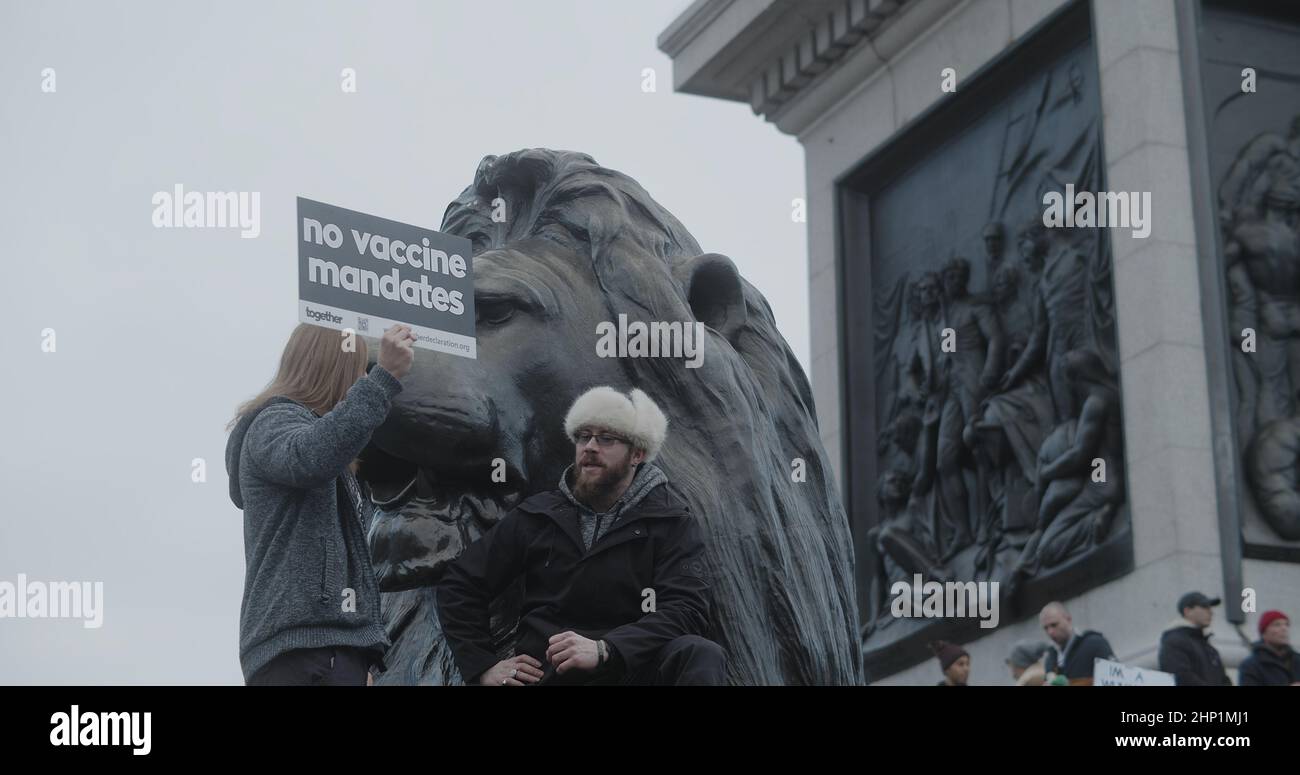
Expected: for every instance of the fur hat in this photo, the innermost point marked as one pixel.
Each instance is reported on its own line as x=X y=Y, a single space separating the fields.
x=634 y=416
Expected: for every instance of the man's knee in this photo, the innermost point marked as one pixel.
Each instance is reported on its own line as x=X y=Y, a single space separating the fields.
x=694 y=648
x=692 y=661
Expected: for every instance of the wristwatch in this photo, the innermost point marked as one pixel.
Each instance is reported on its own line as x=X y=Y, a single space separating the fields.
x=602 y=652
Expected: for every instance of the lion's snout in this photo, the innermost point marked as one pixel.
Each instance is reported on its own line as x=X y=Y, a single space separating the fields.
x=439 y=432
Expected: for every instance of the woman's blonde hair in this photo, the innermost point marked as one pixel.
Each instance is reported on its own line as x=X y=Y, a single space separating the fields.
x=315 y=370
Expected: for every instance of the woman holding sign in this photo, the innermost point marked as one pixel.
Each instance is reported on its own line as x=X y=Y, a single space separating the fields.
x=310 y=611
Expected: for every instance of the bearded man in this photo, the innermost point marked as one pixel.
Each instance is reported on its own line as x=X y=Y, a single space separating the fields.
x=615 y=589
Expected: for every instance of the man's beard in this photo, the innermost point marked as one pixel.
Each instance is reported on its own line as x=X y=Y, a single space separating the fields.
x=598 y=482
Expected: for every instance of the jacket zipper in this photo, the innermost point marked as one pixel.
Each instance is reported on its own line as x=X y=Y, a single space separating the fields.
x=359 y=534
x=595 y=534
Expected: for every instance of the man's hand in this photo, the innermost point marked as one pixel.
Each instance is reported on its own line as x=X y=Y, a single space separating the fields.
x=515 y=671
x=370 y=678
x=395 y=350
x=570 y=651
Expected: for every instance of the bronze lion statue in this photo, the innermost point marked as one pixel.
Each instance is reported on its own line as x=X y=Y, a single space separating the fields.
x=561 y=245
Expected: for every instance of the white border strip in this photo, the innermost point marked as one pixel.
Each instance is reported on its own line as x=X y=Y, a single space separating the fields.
x=425 y=338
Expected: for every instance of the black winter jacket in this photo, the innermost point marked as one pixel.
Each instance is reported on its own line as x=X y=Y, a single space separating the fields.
x=1088 y=646
x=1186 y=652
x=600 y=593
x=1264 y=667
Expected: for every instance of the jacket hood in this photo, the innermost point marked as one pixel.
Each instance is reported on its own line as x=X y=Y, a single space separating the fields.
x=1182 y=624
x=235 y=445
x=646 y=478
x=656 y=501
x=1263 y=649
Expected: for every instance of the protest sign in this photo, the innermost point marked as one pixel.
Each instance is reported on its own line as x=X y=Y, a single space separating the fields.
x=365 y=273
x=1108 y=673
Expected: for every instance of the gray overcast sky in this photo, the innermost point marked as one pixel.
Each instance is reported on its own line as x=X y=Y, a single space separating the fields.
x=161 y=332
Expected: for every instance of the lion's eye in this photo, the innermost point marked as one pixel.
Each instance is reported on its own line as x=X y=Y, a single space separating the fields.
x=493 y=312
x=580 y=233
x=562 y=229
x=555 y=231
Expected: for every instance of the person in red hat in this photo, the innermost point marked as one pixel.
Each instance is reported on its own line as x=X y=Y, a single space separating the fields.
x=1272 y=661
x=953 y=660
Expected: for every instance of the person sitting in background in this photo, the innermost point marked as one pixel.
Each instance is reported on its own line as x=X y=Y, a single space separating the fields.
x=1074 y=650
x=1026 y=662
x=1272 y=661
x=954 y=661
x=1185 y=648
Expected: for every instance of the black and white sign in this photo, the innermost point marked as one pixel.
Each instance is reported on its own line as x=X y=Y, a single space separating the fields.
x=365 y=273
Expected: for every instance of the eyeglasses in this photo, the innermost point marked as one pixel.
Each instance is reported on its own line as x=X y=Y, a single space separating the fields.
x=603 y=439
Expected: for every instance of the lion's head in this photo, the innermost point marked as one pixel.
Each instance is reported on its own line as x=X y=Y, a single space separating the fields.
x=573 y=245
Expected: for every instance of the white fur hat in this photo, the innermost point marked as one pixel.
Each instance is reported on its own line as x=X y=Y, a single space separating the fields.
x=635 y=416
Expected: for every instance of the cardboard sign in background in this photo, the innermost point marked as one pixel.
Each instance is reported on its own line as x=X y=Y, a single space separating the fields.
x=1108 y=673
x=324 y=297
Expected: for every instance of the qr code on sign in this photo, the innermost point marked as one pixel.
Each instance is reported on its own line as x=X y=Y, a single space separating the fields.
x=363 y=324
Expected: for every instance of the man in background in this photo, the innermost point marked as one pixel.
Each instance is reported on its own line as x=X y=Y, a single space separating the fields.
x=1272 y=661
x=1185 y=648
x=1074 y=651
